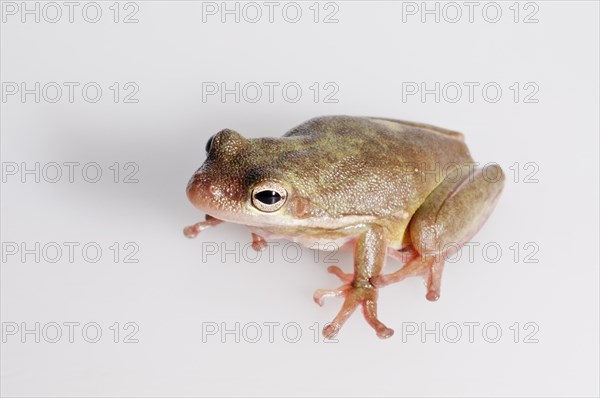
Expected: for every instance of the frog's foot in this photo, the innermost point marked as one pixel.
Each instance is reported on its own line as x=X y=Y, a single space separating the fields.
x=428 y=267
x=258 y=242
x=353 y=297
x=337 y=271
x=193 y=230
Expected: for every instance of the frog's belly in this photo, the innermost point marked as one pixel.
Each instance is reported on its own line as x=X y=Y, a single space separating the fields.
x=327 y=242
x=323 y=239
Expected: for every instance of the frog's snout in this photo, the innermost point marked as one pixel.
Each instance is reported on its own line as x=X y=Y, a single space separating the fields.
x=198 y=189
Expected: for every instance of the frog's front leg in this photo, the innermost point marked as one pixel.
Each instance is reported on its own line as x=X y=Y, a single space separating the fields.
x=369 y=258
x=450 y=216
x=193 y=230
x=258 y=242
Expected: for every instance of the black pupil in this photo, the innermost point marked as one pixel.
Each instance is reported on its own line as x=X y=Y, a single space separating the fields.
x=208 y=144
x=268 y=197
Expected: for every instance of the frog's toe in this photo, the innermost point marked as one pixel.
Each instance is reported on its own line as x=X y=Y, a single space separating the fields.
x=321 y=294
x=331 y=330
x=385 y=333
x=191 y=231
x=434 y=281
x=337 y=271
x=369 y=305
x=432 y=295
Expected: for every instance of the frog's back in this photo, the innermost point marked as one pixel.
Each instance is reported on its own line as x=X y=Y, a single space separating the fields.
x=402 y=124
x=398 y=140
x=375 y=166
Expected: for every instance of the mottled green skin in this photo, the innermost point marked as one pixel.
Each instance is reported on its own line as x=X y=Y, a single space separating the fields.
x=339 y=171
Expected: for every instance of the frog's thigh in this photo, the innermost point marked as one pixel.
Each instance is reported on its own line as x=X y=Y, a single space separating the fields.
x=450 y=216
x=455 y=211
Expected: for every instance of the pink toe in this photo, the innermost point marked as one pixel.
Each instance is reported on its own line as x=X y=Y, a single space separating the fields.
x=331 y=330
x=432 y=295
x=190 y=232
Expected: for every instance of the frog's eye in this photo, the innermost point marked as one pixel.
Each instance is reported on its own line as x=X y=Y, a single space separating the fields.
x=269 y=196
x=209 y=144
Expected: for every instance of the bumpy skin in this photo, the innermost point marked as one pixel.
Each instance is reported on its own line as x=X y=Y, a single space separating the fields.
x=385 y=187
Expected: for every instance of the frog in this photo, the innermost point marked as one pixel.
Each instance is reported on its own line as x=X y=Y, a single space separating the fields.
x=384 y=188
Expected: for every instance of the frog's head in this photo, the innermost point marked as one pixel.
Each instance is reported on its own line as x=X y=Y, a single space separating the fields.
x=249 y=181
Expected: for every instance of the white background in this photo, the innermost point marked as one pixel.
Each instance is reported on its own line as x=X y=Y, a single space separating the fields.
x=171 y=293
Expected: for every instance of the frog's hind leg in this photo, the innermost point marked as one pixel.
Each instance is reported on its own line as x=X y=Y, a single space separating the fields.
x=450 y=216
x=369 y=257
